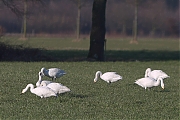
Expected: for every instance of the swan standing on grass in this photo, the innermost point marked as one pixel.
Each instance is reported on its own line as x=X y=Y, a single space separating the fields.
x=58 y=88
x=42 y=92
x=40 y=82
x=109 y=77
x=155 y=74
x=53 y=72
x=149 y=82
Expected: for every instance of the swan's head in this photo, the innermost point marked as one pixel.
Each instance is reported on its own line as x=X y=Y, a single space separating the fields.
x=162 y=86
x=95 y=79
x=23 y=91
x=43 y=84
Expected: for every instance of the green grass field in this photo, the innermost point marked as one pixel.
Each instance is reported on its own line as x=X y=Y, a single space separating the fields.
x=89 y=100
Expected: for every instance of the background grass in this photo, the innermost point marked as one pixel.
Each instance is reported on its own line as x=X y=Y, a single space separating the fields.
x=55 y=43
x=89 y=100
x=66 y=49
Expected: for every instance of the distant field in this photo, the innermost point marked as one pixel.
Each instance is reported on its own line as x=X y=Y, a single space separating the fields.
x=170 y=44
x=117 y=49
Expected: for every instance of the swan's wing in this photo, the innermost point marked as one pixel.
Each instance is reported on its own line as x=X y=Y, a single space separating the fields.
x=116 y=77
x=111 y=76
x=163 y=74
x=56 y=72
x=58 y=88
x=158 y=73
x=43 y=91
x=145 y=82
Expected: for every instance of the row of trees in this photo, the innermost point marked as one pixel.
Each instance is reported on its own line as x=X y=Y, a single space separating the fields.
x=154 y=17
x=98 y=28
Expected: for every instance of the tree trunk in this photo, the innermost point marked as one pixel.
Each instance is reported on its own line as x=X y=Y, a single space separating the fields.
x=24 y=19
x=98 y=30
x=135 y=23
x=78 y=21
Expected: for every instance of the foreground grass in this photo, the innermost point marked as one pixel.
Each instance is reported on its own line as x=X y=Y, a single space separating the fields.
x=88 y=100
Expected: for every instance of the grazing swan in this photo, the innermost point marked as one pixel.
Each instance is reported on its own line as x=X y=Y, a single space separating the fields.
x=155 y=74
x=108 y=76
x=40 y=82
x=149 y=82
x=40 y=91
x=53 y=72
x=58 y=88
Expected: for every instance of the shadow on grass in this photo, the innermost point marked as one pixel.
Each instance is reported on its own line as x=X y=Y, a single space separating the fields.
x=20 y=53
x=165 y=90
x=78 y=95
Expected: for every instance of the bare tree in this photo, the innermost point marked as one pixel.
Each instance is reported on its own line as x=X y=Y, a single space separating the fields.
x=135 y=22
x=16 y=7
x=98 y=30
x=25 y=19
x=135 y=3
x=25 y=10
x=79 y=4
x=13 y=7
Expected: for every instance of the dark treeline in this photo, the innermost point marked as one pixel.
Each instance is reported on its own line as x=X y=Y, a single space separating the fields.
x=155 y=17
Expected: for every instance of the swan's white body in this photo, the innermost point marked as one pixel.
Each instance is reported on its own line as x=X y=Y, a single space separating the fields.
x=155 y=74
x=108 y=76
x=41 y=82
x=58 y=88
x=53 y=72
x=42 y=92
x=149 y=82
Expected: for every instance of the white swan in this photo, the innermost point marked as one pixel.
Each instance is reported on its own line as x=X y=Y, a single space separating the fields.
x=108 y=76
x=149 y=82
x=40 y=82
x=40 y=91
x=53 y=72
x=58 y=88
x=155 y=74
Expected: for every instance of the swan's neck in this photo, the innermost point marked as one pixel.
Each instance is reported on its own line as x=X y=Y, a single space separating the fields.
x=98 y=74
x=148 y=71
x=40 y=78
x=39 y=82
x=162 y=83
x=31 y=86
x=159 y=80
